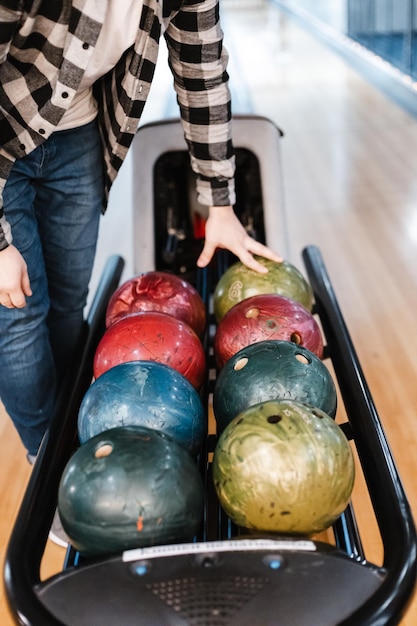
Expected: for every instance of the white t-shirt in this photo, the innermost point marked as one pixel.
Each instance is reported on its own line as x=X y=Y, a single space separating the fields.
x=118 y=33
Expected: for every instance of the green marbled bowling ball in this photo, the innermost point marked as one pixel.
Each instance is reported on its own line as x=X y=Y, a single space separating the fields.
x=281 y=466
x=239 y=282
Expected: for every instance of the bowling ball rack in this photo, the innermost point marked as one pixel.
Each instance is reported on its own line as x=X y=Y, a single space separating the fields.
x=226 y=576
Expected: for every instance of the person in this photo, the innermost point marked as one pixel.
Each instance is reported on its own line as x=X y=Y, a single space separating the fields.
x=74 y=78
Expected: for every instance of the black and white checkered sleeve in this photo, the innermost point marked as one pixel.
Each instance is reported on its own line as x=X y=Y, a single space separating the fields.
x=198 y=62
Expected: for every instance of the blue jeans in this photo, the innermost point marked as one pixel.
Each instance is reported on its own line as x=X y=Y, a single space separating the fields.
x=53 y=201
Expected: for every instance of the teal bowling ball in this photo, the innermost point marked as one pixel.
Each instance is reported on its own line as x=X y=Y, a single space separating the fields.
x=271 y=370
x=130 y=487
x=144 y=393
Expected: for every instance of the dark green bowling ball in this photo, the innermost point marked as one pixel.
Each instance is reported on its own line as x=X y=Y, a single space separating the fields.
x=130 y=487
x=269 y=370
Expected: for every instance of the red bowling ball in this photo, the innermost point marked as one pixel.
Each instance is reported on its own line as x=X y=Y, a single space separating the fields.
x=263 y=317
x=158 y=291
x=152 y=336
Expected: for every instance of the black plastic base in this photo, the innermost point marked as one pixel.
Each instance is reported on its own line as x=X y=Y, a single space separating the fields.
x=238 y=583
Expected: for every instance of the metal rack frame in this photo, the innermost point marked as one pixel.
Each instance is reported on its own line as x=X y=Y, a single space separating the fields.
x=392 y=584
x=385 y=606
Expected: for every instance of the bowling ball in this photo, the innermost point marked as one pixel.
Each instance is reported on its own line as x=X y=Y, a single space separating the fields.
x=281 y=466
x=130 y=487
x=158 y=291
x=239 y=282
x=262 y=317
x=144 y=393
x=152 y=336
x=270 y=370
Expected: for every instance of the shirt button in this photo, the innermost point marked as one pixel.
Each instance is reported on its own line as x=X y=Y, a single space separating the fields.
x=64 y=94
x=42 y=131
x=86 y=45
x=22 y=146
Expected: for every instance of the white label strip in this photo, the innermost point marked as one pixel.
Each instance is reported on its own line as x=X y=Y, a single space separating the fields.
x=241 y=545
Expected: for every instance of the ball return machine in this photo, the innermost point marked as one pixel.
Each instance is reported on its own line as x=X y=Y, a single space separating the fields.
x=225 y=577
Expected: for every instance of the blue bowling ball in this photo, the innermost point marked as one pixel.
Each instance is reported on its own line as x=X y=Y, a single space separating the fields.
x=144 y=393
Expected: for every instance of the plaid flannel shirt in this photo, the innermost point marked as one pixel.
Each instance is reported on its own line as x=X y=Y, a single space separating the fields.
x=45 y=46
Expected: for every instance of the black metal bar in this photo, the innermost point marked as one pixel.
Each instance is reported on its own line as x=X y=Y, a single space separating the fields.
x=30 y=533
x=347 y=535
x=388 y=498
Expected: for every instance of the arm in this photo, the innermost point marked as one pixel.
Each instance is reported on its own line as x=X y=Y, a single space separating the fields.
x=9 y=19
x=14 y=279
x=198 y=62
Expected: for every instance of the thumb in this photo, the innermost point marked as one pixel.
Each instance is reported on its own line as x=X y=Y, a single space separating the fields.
x=206 y=254
x=26 y=285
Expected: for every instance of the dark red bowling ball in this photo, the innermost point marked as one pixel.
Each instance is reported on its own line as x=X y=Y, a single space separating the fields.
x=152 y=336
x=158 y=291
x=262 y=317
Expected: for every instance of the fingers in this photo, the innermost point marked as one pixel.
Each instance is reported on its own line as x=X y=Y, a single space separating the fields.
x=18 y=300
x=259 y=249
x=245 y=254
x=14 y=300
x=6 y=301
x=250 y=262
x=14 y=279
x=224 y=230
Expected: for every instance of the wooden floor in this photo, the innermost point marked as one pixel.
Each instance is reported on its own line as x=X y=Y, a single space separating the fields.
x=350 y=170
